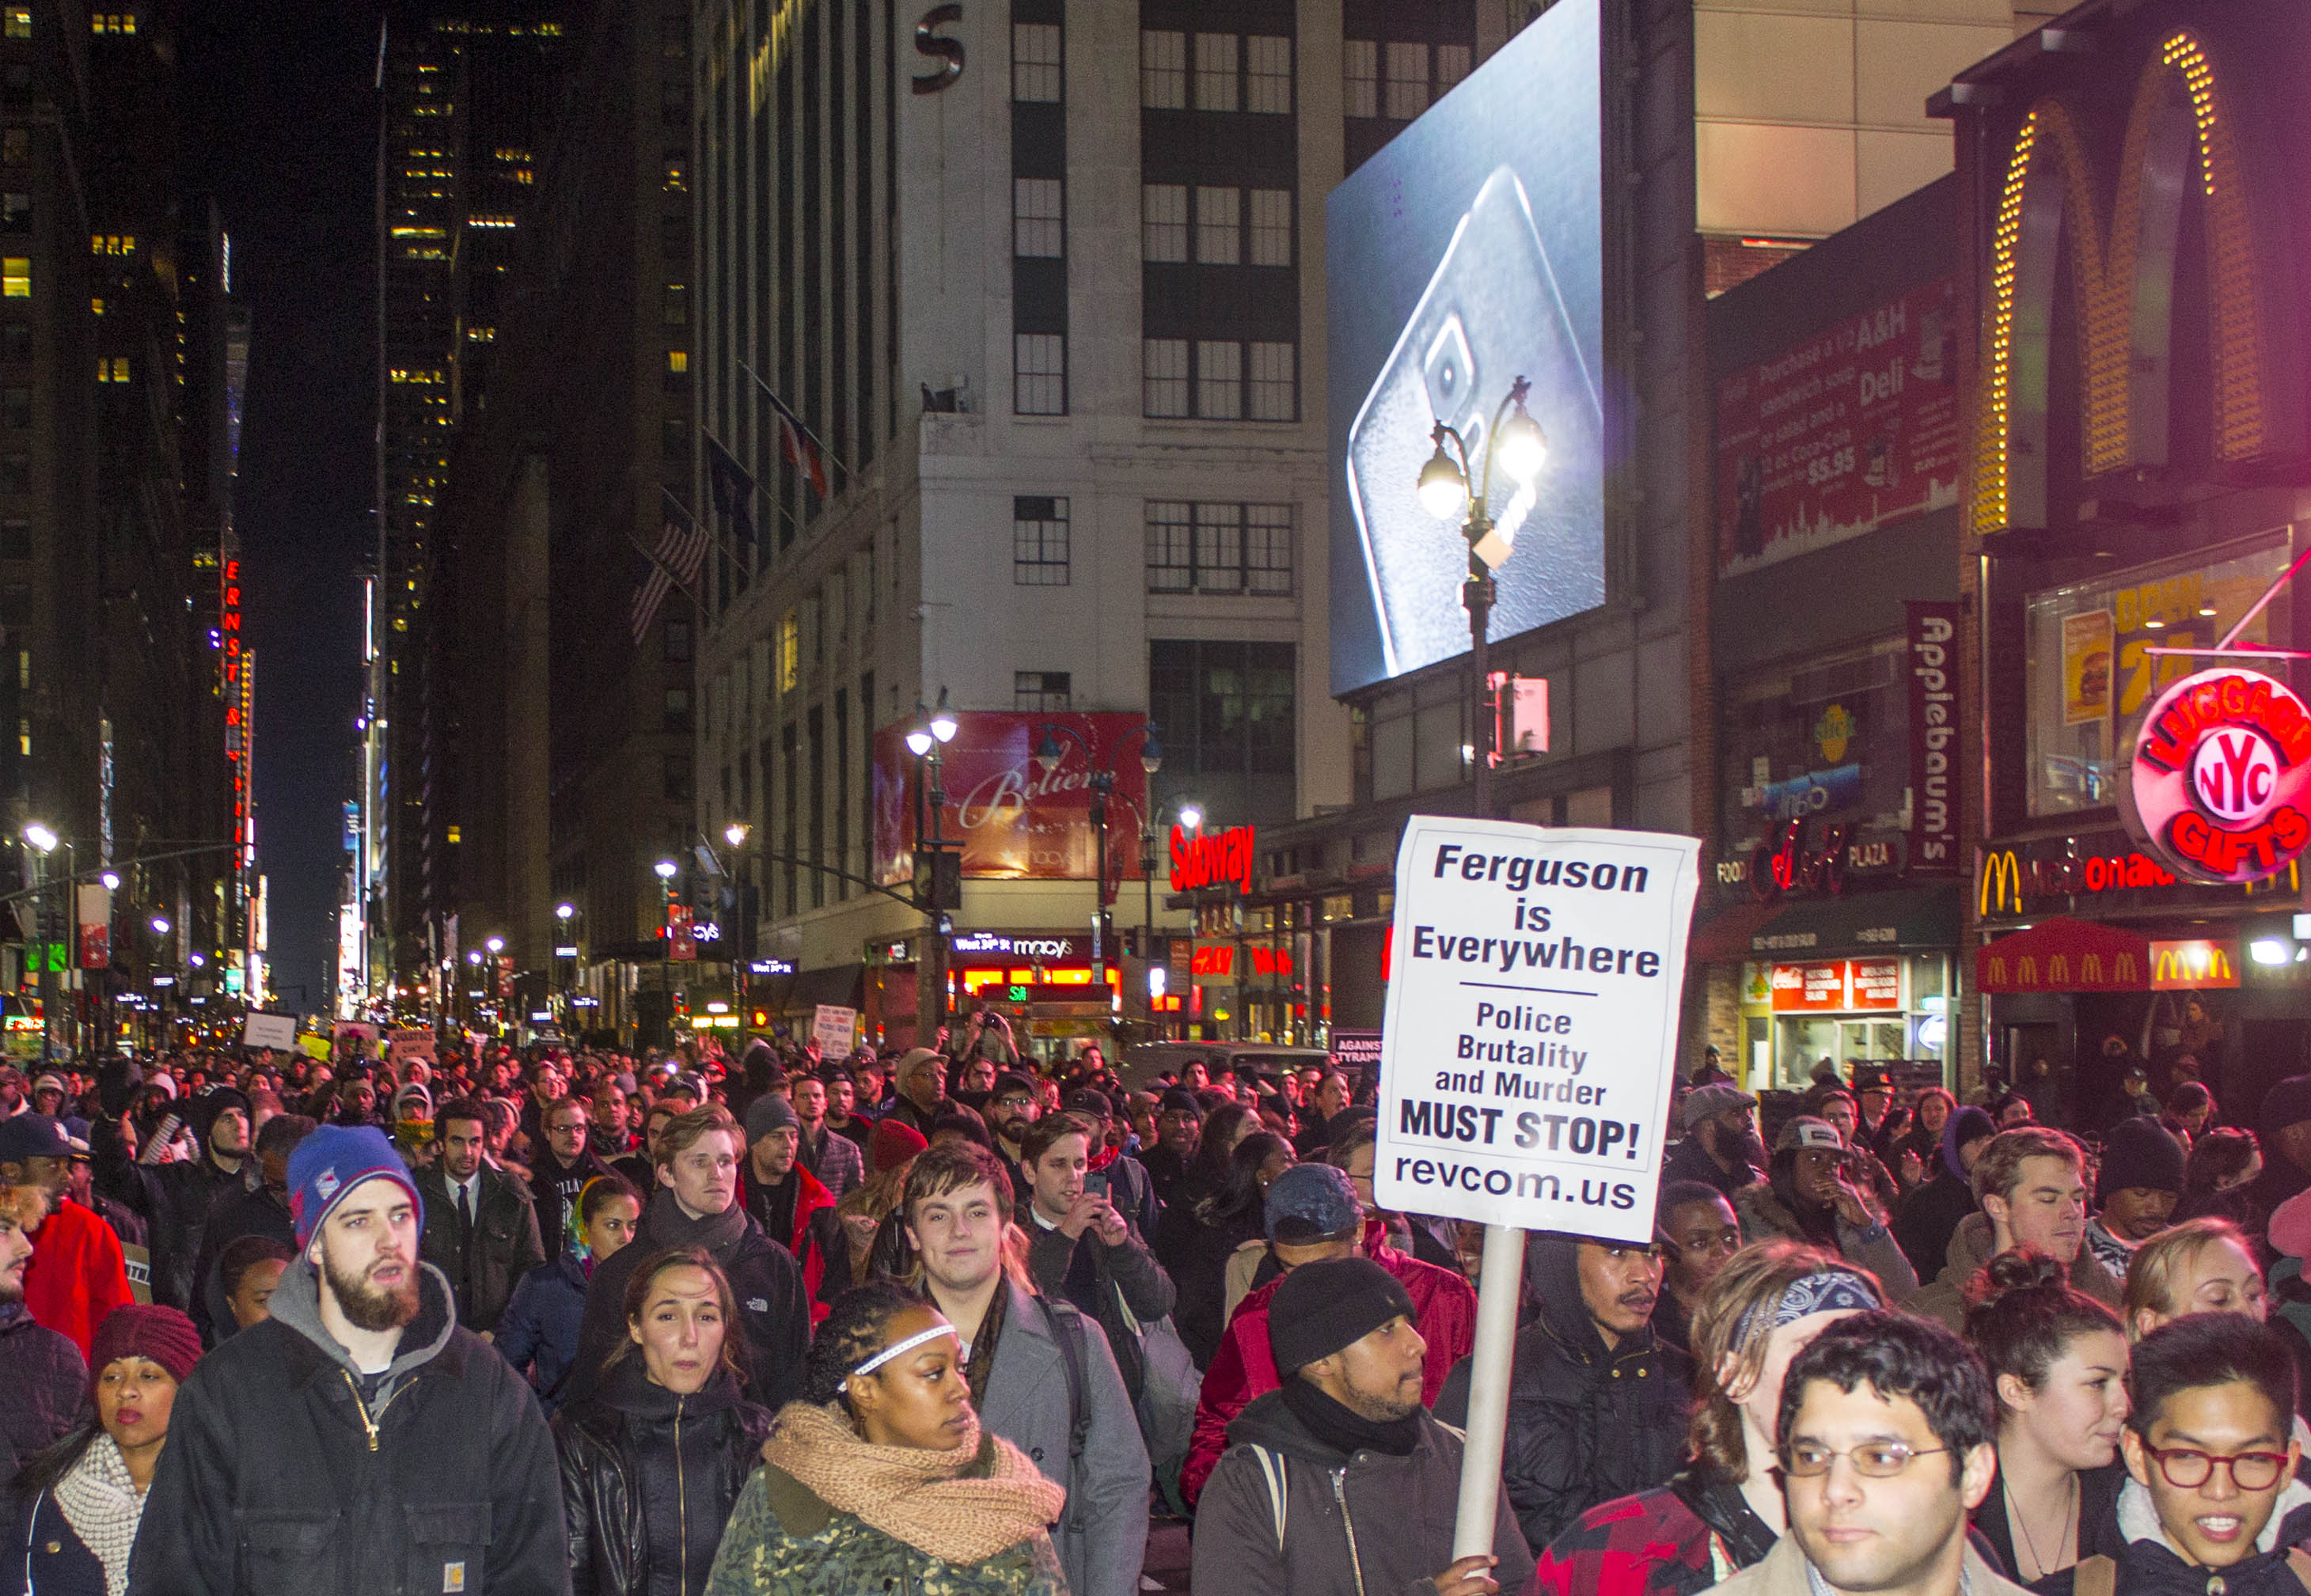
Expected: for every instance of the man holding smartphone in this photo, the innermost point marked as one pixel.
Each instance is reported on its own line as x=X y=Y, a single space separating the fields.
x=1084 y=1248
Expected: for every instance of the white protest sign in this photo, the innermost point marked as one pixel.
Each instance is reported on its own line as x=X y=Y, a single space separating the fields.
x=269 y=1030
x=416 y=1042
x=1535 y=979
x=833 y=1028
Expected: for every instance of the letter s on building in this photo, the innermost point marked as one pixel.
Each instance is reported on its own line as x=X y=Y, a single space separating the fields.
x=946 y=52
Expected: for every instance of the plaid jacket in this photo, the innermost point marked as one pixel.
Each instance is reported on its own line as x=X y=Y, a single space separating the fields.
x=1650 y=1544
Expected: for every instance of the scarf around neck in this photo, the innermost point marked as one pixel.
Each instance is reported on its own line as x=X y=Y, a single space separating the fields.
x=1345 y=1430
x=669 y=1227
x=960 y=1506
x=102 y=1505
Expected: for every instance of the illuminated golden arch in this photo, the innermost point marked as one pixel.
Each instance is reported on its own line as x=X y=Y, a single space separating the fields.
x=2124 y=290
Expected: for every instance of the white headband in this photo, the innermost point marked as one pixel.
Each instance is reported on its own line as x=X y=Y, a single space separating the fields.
x=897 y=1349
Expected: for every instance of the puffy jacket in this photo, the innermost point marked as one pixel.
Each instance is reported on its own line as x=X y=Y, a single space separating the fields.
x=43 y=1387
x=1243 y=1369
x=78 y=1273
x=1587 y=1422
x=774 y=1312
x=1970 y=1249
x=784 y=1540
x=1370 y=1523
x=483 y=1271
x=817 y=1241
x=648 y=1479
x=279 y=1480
x=539 y=1335
x=1763 y=1214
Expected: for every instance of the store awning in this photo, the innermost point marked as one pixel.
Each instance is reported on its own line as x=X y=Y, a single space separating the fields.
x=1723 y=938
x=801 y=993
x=1910 y=918
x=2065 y=956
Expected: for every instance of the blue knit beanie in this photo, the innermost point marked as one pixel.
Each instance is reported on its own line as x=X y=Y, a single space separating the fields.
x=331 y=1161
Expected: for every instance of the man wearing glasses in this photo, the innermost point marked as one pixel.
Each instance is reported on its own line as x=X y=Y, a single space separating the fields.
x=1888 y=1432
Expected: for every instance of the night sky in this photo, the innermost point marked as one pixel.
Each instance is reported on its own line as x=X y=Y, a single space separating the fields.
x=282 y=127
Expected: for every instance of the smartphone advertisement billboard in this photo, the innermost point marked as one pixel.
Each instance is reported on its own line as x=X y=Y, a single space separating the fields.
x=1465 y=255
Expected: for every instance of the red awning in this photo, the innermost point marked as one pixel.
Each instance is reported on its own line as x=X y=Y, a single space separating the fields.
x=2065 y=956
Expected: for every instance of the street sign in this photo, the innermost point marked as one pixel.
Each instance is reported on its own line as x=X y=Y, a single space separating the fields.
x=1530 y=1027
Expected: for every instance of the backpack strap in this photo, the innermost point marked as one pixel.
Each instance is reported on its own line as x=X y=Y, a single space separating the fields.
x=2098 y=1576
x=1271 y=1469
x=1067 y=1332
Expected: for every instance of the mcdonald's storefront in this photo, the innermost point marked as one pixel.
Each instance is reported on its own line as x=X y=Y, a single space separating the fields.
x=2137 y=486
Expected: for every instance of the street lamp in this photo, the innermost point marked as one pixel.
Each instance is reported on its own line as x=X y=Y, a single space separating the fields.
x=111 y=880
x=562 y=912
x=926 y=735
x=736 y=833
x=495 y=945
x=1191 y=818
x=160 y=925
x=666 y=868
x=1048 y=756
x=1515 y=443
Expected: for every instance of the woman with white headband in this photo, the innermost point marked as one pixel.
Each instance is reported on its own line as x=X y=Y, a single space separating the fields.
x=879 y=1479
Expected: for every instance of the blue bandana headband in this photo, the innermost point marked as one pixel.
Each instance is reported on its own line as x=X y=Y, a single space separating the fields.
x=1828 y=1291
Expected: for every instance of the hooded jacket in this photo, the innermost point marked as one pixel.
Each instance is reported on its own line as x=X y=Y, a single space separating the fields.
x=1243 y=1368
x=1763 y=1214
x=2149 y=1566
x=773 y=1312
x=78 y=1273
x=185 y=1195
x=281 y=1478
x=818 y=1242
x=262 y=1212
x=1587 y=1422
x=1367 y=1525
x=1970 y=1248
x=648 y=1479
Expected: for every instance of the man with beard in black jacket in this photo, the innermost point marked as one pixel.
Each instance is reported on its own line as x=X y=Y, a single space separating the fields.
x=698 y=1204
x=190 y=1191
x=358 y=1442
x=1721 y=1146
x=1596 y=1406
x=264 y=1211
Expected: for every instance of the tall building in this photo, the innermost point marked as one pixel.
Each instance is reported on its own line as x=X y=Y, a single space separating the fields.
x=462 y=98
x=564 y=727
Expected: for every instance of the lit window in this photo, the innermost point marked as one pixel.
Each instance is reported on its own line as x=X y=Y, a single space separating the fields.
x=677 y=173
x=1038 y=218
x=1451 y=64
x=1268 y=74
x=457 y=834
x=112 y=243
x=790 y=650
x=1035 y=62
x=678 y=304
x=1359 y=77
x=16 y=146
x=20 y=21
x=1218 y=239
x=1275 y=392
x=1164 y=377
x=1163 y=221
x=1039 y=542
x=1039 y=373
x=1219 y=380
x=1042 y=690
x=1271 y=227
x=1162 y=70
x=1408 y=81
x=114 y=370
x=16 y=277
x=1216 y=72
x=678 y=361
x=96 y=307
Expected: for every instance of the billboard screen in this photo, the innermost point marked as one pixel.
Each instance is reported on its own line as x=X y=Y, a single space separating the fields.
x=1466 y=254
x=1016 y=821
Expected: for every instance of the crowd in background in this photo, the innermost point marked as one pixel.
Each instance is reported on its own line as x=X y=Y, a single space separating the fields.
x=965 y=1320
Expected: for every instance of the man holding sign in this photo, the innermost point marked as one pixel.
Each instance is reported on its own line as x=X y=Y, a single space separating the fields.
x=1528 y=1050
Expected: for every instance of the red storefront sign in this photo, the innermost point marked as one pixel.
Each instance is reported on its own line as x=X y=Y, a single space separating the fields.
x=1223 y=857
x=2221 y=777
x=1016 y=821
x=1837 y=985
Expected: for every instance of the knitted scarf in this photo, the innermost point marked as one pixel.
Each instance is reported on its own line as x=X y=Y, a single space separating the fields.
x=960 y=1506
x=102 y=1504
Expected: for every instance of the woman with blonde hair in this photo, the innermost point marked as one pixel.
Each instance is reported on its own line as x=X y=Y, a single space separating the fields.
x=879 y=1478
x=2205 y=1265
x=1724 y=1511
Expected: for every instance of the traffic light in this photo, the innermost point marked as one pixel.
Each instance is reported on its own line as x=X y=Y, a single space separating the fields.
x=760 y=1019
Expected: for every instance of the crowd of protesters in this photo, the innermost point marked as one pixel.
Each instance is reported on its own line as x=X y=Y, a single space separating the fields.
x=967 y=1321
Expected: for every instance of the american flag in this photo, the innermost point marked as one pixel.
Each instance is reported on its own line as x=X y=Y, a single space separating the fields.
x=675 y=562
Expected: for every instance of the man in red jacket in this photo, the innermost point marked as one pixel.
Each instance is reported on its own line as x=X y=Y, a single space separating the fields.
x=792 y=1204
x=78 y=1275
x=1312 y=1213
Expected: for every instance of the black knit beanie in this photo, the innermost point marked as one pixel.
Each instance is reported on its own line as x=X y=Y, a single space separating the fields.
x=1322 y=1307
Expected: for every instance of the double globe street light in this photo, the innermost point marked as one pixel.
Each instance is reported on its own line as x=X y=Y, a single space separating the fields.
x=1515 y=443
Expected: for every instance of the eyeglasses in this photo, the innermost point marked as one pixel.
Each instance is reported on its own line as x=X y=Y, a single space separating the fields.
x=2188 y=1468
x=1874 y=1460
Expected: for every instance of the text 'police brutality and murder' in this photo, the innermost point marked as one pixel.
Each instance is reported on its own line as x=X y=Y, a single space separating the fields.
x=1532 y=1020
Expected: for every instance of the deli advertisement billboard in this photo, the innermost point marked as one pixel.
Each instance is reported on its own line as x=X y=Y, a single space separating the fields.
x=1849 y=431
x=1466 y=254
x=1016 y=821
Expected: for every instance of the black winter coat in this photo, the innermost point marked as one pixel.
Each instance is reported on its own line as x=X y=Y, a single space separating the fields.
x=483 y=1268
x=43 y=1388
x=2147 y=1568
x=648 y=1479
x=774 y=1308
x=185 y=1195
x=279 y=1481
x=262 y=1212
x=1586 y=1424
x=1929 y=1218
x=1196 y=1256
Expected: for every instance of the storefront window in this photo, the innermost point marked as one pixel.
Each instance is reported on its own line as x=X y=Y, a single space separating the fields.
x=1825 y=740
x=1883 y=1009
x=2088 y=675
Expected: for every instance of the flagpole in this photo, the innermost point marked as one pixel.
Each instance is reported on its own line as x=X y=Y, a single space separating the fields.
x=801 y=425
x=784 y=514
